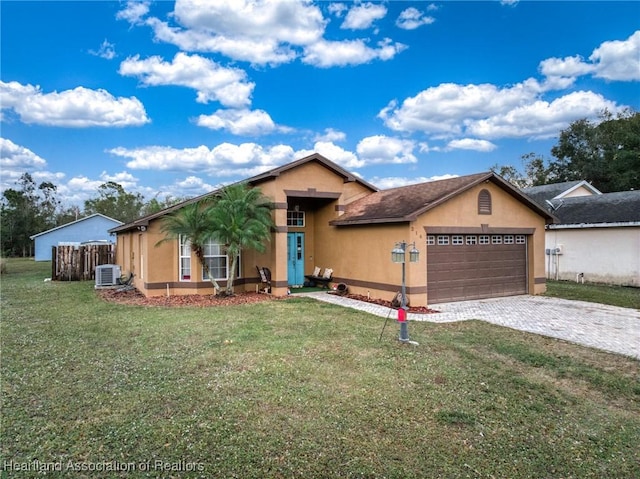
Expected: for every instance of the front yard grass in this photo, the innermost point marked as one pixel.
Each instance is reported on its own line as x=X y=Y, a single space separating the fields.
x=297 y=388
x=623 y=296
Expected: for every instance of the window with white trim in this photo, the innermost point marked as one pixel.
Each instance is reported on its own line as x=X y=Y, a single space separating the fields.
x=520 y=239
x=508 y=239
x=216 y=259
x=443 y=240
x=457 y=240
x=472 y=239
x=431 y=240
x=185 y=259
x=496 y=239
x=295 y=218
x=484 y=239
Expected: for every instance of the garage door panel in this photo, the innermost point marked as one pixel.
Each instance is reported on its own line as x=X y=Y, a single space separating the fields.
x=475 y=271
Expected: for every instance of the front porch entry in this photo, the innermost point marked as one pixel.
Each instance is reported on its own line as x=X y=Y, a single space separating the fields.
x=295 y=259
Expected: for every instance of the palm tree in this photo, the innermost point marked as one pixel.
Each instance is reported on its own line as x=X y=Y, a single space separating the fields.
x=193 y=222
x=240 y=219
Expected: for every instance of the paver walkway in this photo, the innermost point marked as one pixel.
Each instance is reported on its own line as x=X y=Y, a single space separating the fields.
x=609 y=328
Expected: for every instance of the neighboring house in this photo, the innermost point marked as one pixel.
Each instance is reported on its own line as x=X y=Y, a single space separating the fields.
x=597 y=237
x=478 y=237
x=91 y=228
x=557 y=191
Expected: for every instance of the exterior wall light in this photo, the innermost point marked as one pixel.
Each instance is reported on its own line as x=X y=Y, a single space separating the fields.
x=397 y=253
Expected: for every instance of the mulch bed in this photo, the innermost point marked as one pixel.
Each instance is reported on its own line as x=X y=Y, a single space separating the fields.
x=136 y=298
x=387 y=304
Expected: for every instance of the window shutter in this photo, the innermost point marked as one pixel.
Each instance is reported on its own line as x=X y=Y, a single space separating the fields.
x=484 y=202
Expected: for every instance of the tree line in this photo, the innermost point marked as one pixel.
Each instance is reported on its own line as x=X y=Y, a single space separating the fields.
x=606 y=153
x=31 y=208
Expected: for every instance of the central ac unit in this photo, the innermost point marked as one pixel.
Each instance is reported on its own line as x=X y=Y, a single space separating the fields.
x=107 y=275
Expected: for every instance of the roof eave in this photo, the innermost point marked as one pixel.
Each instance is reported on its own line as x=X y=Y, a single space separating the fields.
x=571 y=226
x=363 y=222
x=516 y=193
x=505 y=185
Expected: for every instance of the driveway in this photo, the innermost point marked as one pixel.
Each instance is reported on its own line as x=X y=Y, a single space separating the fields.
x=601 y=326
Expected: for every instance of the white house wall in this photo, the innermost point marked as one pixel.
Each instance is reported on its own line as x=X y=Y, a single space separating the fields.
x=603 y=255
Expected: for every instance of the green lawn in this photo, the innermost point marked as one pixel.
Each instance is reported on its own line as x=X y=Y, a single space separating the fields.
x=297 y=389
x=625 y=297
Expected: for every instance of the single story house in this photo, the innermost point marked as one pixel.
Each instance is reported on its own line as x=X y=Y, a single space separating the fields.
x=477 y=237
x=597 y=237
x=93 y=228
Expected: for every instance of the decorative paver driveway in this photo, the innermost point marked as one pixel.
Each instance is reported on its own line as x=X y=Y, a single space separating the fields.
x=609 y=328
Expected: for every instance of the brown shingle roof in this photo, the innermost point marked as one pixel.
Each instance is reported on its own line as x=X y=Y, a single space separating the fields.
x=406 y=203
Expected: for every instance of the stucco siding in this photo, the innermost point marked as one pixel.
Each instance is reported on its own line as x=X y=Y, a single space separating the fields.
x=604 y=255
x=358 y=253
x=507 y=213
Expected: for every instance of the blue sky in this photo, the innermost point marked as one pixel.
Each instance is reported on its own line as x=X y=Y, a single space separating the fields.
x=178 y=98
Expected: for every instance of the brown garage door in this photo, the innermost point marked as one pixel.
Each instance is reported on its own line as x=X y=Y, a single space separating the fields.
x=462 y=267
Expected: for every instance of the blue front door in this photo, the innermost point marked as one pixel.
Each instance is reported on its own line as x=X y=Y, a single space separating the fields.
x=295 y=259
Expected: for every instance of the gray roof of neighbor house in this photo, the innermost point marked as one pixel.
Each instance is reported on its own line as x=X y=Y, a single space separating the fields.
x=254 y=181
x=549 y=192
x=606 y=208
x=406 y=203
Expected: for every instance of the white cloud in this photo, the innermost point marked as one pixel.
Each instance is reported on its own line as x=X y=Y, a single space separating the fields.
x=224 y=159
x=361 y=16
x=193 y=184
x=287 y=21
x=566 y=67
x=331 y=135
x=397 y=181
x=325 y=54
x=618 y=60
x=80 y=107
x=229 y=86
x=134 y=11
x=487 y=112
x=260 y=32
x=444 y=108
x=542 y=119
x=383 y=149
x=15 y=160
x=18 y=157
x=265 y=32
x=259 y=51
x=123 y=178
x=337 y=8
x=107 y=51
x=82 y=184
x=337 y=154
x=471 y=144
x=248 y=159
x=412 y=18
x=241 y=122
x=614 y=60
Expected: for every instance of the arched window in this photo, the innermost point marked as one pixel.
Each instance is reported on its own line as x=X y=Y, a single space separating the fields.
x=484 y=202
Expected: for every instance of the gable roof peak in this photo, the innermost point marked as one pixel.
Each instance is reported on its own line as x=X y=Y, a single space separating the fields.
x=406 y=203
x=314 y=157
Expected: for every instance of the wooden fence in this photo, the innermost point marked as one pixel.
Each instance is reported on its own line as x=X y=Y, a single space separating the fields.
x=77 y=263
